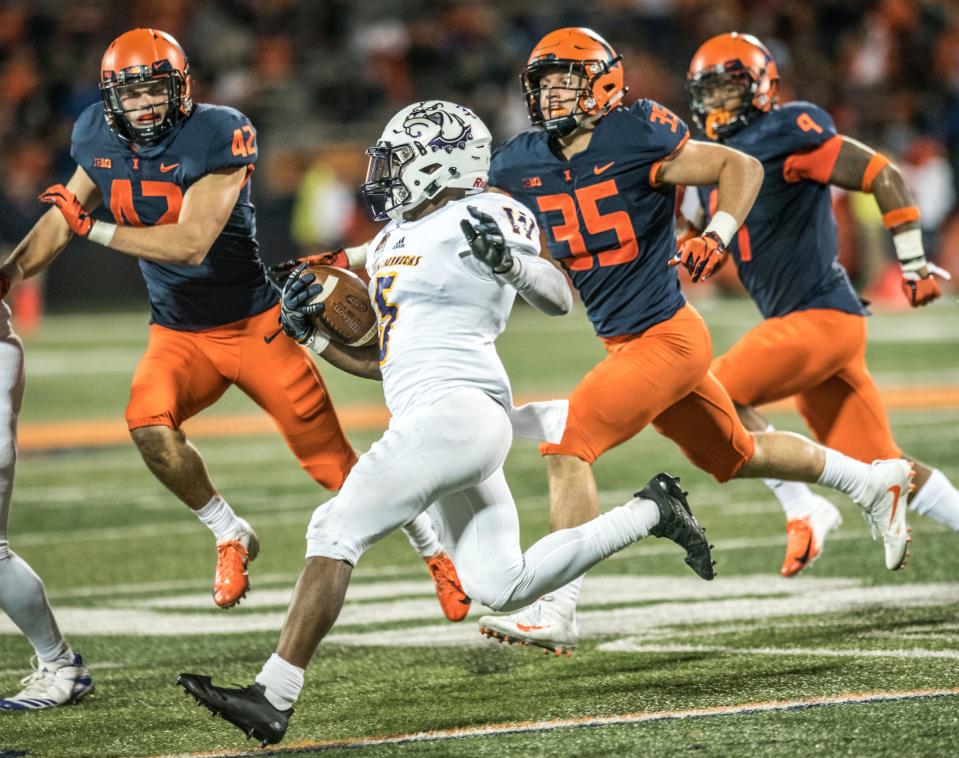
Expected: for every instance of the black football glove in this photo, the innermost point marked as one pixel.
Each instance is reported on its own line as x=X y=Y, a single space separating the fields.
x=296 y=313
x=486 y=241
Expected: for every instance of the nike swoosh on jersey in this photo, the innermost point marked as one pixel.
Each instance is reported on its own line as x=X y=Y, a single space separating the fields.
x=164 y=169
x=600 y=169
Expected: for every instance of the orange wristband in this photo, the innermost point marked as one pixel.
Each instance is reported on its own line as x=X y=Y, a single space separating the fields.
x=876 y=164
x=900 y=216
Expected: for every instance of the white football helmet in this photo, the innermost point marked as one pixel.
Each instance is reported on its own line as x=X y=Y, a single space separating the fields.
x=425 y=148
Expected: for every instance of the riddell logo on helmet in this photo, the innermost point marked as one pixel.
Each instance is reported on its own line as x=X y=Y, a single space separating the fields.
x=480 y=183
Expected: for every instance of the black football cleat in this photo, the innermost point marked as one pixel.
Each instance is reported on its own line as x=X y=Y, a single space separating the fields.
x=677 y=523
x=246 y=707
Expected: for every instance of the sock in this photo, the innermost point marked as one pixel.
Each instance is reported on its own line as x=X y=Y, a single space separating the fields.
x=422 y=536
x=794 y=497
x=24 y=599
x=282 y=682
x=938 y=500
x=219 y=517
x=564 y=599
x=844 y=474
x=64 y=659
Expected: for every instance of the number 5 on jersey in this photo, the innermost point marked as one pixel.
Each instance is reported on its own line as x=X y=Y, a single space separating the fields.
x=386 y=311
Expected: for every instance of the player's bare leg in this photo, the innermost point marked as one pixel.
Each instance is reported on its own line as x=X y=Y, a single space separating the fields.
x=263 y=709
x=876 y=488
x=809 y=517
x=177 y=464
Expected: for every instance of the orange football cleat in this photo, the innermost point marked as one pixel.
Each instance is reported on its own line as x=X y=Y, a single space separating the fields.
x=805 y=536
x=453 y=600
x=231 y=580
x=801 y=548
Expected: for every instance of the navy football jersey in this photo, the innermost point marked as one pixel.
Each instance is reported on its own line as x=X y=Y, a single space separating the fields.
x=144 y=187
x=606 y=223
x=786 y=251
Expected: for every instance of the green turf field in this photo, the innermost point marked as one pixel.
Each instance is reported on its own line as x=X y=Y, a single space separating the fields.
x=669 y=663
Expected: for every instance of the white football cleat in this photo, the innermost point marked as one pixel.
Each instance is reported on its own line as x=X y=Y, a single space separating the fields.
x=884 y=507
x=52 y=684
x=540 y=624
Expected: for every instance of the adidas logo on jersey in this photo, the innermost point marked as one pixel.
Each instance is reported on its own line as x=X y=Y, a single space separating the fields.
x=401 y=242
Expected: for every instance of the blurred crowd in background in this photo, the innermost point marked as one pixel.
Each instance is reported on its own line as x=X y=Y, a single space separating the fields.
x=319 y=79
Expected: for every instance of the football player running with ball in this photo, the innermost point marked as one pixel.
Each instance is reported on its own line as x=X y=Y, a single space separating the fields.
x=60 y=676
x=444 y=274
x=176 y=177
x=812 y=344
x=599 y=177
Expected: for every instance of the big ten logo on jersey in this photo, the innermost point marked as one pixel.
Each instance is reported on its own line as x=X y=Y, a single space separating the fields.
x=244 y=141
x=660 y=114
x=521 y=223
x=122 y=203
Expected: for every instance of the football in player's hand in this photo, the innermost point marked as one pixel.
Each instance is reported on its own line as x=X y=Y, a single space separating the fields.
x=348 y=315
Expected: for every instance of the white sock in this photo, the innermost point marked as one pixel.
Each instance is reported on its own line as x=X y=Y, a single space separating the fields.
x=282 y=681
x=219 y=517
x=844 y=474
x=796 y=498
x=64 y=659
x=938 y=500
x=24 y=599
x=564 y=599
x=422 y=536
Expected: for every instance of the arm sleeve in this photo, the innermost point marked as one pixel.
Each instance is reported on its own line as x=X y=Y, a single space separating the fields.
x=540 y=284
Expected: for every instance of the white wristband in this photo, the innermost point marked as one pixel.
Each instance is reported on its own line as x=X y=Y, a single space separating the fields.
x=724 y=224
x=318 y=342
x=102 y=233
x=909 y=250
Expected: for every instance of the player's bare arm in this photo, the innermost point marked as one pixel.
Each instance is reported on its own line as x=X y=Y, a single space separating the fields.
x=51 y=233
x=739 y=177
x=859 y=168
x=206 y=209
x=363 y=362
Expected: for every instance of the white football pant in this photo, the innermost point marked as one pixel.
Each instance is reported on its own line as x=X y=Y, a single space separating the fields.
x=451 y=453
x=22 y=595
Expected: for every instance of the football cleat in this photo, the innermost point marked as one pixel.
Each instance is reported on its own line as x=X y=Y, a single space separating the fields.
x=884 y=507
x=541 y=624
x=453 y=600
x=677 y=523
x=805 y=536
x=231 y=581
x=52 y=684
x=247 y=708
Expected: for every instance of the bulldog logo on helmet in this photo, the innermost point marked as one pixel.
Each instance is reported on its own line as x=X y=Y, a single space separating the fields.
x=438 y=127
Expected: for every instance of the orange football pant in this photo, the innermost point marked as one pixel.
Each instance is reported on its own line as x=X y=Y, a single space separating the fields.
x=661 y=377
x=820 y=357
x=181 y=373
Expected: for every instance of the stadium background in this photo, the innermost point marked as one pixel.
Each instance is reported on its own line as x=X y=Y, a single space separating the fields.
x=319 y=79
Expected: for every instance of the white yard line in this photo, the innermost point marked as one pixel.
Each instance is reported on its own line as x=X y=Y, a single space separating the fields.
x=549 y=725
x=628 y=646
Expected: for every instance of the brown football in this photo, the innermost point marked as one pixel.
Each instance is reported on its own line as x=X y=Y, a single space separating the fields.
x=348 y=317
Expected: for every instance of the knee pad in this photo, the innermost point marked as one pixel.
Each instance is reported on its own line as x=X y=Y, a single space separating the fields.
x=328 y=536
